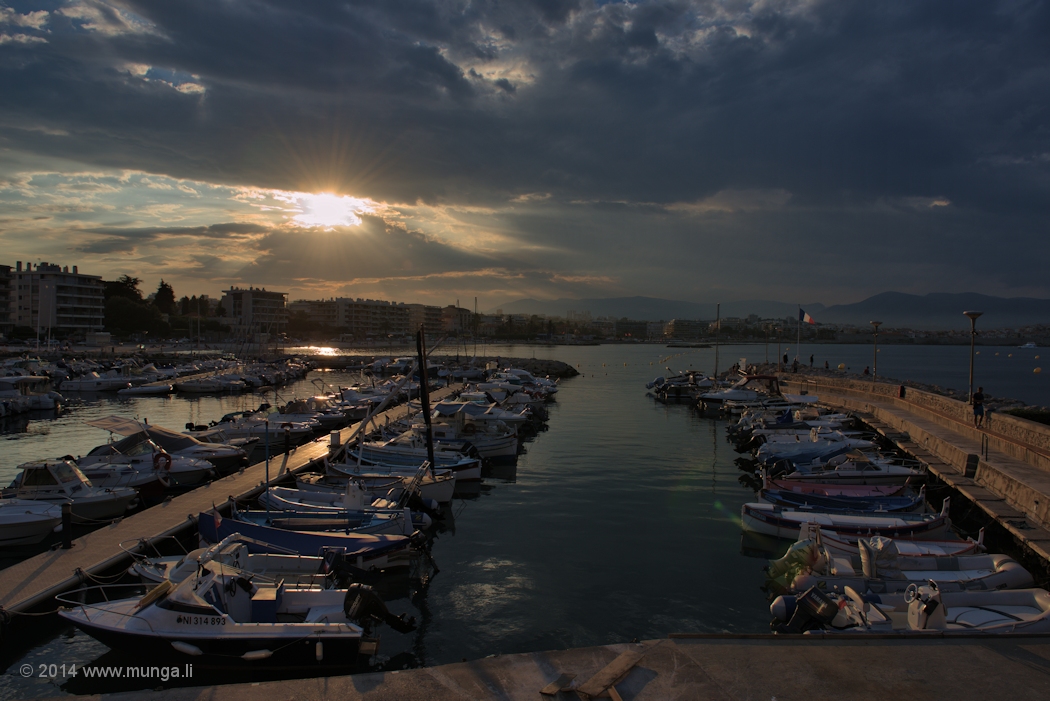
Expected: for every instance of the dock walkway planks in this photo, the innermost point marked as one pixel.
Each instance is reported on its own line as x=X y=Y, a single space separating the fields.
x=38 y=578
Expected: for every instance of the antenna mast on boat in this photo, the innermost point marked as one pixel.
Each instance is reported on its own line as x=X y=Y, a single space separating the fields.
x=718 y=329
x=424 y=392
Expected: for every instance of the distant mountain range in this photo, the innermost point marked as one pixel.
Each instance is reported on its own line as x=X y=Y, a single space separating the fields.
x=895 y=309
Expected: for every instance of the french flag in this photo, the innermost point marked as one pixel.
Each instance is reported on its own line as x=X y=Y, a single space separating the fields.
x=804 y=317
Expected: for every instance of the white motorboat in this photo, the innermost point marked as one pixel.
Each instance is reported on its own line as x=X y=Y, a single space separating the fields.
x=221 y=617
x=811 y=533
x=811 y=448
x=147 y=457
x=855 y=468
x=27 y=522
x=93 y=382
x=748 y=388
x=921 y=609
x=438 y=487
x=60 y=481
x=372 y=455
x=773 y=520
x=224 y=458
x=233 y=552
x=351 y=505
x=24 y=393
x=269 y=429
x=150 y=390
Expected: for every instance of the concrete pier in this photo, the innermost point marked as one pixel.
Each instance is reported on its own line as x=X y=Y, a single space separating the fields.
x=716 y=668
x=1003 y=468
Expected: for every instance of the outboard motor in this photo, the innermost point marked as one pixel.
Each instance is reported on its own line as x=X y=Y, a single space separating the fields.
x=364 y=607
x=812 y=610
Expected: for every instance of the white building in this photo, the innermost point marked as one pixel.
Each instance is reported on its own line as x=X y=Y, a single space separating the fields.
x=53 y=300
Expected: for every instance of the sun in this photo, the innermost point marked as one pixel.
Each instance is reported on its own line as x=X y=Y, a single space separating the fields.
x=325 y=209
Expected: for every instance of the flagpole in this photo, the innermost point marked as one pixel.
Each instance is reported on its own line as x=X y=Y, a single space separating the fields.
x=798 y=338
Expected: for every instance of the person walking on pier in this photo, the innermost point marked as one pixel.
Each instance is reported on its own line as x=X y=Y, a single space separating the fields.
x=978 y=407
x=811 y=360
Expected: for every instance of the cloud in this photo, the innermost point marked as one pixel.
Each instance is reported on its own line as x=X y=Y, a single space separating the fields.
x=32 y=20
x=620 y=146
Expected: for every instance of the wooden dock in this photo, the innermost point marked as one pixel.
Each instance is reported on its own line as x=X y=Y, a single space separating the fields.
x=39 y=578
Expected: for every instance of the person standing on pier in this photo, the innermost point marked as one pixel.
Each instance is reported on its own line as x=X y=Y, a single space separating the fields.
x=978 y=407
x=811 y=360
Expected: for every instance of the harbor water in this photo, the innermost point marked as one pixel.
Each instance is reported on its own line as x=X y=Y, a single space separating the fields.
x=620 y=521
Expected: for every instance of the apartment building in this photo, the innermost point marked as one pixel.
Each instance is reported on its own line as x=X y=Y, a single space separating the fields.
x=52 y=299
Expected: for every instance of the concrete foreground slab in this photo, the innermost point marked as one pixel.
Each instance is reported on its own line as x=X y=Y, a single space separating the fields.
x=729 y=668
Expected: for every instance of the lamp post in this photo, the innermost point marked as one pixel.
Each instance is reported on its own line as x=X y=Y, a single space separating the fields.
x=875 y=362
x=973 y=335
x=779 y=367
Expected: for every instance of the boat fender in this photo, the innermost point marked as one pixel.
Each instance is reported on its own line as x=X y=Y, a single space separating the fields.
x=192 y=650
x=783 y=608
x=319 y=651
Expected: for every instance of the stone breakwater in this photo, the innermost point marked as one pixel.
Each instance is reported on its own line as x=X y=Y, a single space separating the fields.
x=539 y=367
x=991 y=403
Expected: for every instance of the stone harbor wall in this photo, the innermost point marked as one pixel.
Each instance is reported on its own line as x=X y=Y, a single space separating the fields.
x=539 y=367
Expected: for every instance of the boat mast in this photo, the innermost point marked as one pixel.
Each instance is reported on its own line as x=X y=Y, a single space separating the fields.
x=718 y=329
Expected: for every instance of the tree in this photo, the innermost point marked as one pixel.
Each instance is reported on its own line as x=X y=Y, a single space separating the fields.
x=165 y=298
x=125 y=317
x=184 y=306
x=125 y=286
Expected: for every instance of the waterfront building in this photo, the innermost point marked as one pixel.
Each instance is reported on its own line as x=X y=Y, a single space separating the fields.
x=255 y=311
x=372 y=318
x=431 y=317
x=632 y=329
x=7 y=290
x=685 y=328
x=457 y=319
x=52 y=299
x=319 y=311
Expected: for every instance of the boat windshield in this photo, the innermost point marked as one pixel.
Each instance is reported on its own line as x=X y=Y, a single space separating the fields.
x=67 y=472
x=38 y=477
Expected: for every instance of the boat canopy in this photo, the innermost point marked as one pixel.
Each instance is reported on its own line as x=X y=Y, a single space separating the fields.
x=170 y=441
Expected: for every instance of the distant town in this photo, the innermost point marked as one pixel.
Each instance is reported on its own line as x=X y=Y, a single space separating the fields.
x=49 y=301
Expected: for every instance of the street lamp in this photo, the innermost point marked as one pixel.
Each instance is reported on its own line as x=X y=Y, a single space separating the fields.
x=875 y=363
x=973 y=335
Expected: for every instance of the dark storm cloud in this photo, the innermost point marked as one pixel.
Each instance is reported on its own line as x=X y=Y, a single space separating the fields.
x=854 y=110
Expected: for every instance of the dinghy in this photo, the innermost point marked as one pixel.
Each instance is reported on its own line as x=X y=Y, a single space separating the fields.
x=786 y=523
x=921 y=609
x=877 y=565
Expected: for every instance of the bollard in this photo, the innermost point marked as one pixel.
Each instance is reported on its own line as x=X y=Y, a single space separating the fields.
x=67 y=525
x=335 y=441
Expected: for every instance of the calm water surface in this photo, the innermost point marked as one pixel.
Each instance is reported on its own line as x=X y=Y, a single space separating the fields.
x=621 y=521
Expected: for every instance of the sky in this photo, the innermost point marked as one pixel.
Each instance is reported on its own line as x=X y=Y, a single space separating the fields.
x=436 y=151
